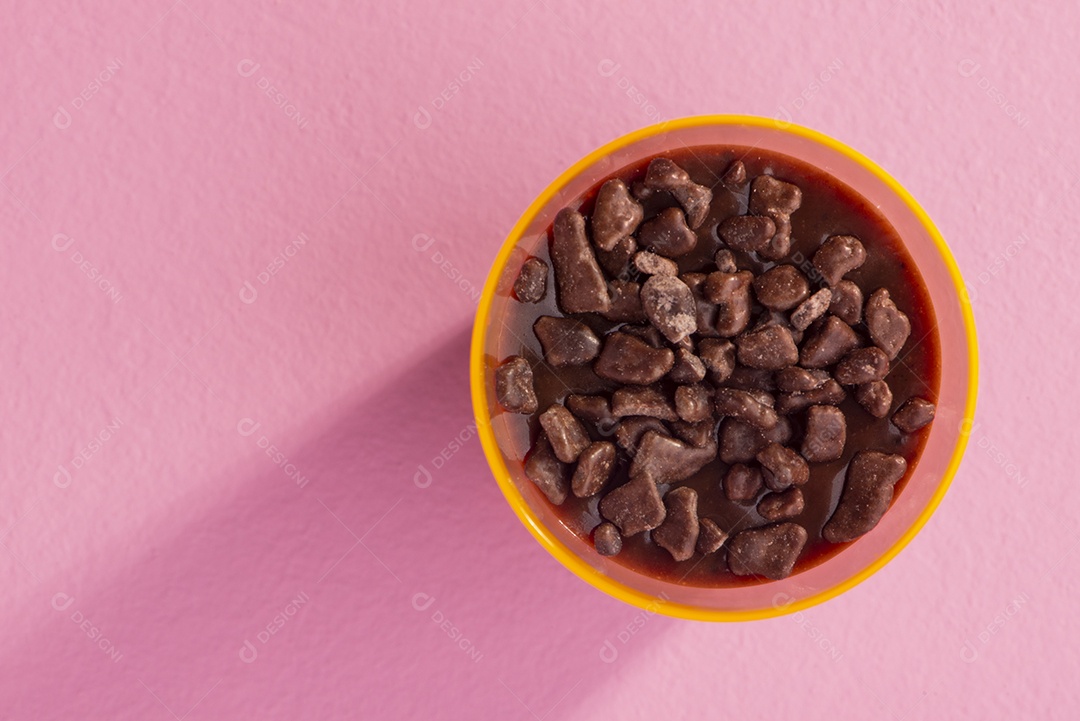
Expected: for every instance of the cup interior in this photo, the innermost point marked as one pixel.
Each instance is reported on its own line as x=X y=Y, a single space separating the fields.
x=928 y=481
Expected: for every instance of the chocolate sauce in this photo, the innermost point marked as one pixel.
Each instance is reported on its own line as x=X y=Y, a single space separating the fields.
x=828 y=208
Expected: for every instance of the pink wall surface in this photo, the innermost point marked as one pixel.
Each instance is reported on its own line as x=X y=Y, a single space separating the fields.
x=208 y=215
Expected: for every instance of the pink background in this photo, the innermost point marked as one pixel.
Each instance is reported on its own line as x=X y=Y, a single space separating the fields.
x=148 y=544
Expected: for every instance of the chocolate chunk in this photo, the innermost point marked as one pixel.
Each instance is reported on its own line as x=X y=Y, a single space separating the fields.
x=833 y=340
x=847 y=302
x=663 y=174
x=669 y=306
x=769 y=348
x=579 y=284
x=837 y=256
x=735 y=176
x=796 y=335
x=913 y=415
x=693 y=403
x=688 y=368
x=616 y=262
x=565 y=433
x=642 y=401
x=875 y=397
x=706 y=311
x=782 y=467
x=718 y=356
x=695 y=200
x=607 y=540
x=699 y=435
x=625 y=302
x=782 y=505
x=652 y=264
x=795 y=379
x=770 y=551
x=740 y=442
x=744 y=406
x=769 y=195
x=640 y=191
x=781 y=288
x=593 y=470
x=668 y=234
x=626 y=359
x=889 y=327
x=592 y=409
x=710 y=537
x=629 y=431
x=730 y=292
x=780 y=245
x=565 y=341
x=531 y=283
x=761 y=396
x=686 y=344
x=646 y=333
x=514 y=386
x=780 y=433
x=693 y=281
x=826 y=433
x=829 y=393
x=811 y=309
x=635 y=506
x=748 y=233
x=751 y=379
x=778 y=200
x=616 y=215
x=678 y=534
x=725 y=261
x=742 y=483
x=862 y=365
x=868 y=491
x=547 y=472
x=667 y=460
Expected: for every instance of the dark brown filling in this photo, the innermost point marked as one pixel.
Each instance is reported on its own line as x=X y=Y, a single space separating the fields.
x=827 y=208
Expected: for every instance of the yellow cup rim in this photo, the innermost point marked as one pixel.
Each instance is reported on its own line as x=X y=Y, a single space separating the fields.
x=571 y=560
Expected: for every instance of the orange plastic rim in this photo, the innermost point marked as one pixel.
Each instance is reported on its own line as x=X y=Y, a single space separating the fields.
x=554 y=546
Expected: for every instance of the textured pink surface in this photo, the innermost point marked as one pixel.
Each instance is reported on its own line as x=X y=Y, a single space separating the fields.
x=153 y=182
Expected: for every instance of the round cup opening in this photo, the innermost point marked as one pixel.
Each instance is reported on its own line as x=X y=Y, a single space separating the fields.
x=945 y=444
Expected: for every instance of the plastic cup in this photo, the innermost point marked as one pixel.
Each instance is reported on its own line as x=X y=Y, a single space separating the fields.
x=923 y=490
